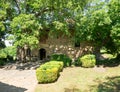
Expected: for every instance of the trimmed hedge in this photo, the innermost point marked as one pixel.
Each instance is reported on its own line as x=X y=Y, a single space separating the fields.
x=88 y=61
x=52 y=64
x=49 y=72
x=60 y=64
x=47 y=76
x=61 y=57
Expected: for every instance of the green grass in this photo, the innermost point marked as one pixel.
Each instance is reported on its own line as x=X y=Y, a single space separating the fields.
x=77 y=79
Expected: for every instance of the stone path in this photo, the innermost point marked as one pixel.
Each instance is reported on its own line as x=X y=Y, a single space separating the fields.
x=22 y=66
x=18 y=77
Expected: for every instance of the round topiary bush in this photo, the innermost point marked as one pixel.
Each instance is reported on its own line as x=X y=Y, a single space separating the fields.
x=88 y=60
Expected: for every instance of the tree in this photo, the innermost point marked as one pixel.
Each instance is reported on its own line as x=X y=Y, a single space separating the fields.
x=96 y=21
x=2 y=24
x=99 y=24
x=28 y=20
x=25 y=29
x=94 y=26
x=7 y=12
x=114 y=13
x=35 y=18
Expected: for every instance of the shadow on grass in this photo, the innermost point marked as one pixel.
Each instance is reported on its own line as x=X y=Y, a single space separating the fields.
x=112 y=84
x=10 y=88
x=71 y=90
x=108 y=62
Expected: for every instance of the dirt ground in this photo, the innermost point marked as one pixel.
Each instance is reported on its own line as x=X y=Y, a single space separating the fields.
x=17 y=81
x=72 y=79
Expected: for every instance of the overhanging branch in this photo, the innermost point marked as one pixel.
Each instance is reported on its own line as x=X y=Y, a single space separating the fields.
x=17 y=5
x=43 y=11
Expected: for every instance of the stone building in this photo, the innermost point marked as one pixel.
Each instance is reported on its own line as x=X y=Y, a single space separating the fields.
x=48 y=46
x=61 y=45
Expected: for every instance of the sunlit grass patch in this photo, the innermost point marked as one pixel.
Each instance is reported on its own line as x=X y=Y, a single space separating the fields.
x=77 y=79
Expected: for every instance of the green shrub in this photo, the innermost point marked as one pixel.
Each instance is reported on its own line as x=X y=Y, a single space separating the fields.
x=47 y=66
x=61 y=57
x=77 y=62
x=8 y=52
x=56 y=63
x=47 y=75
x=11 y=51
x=49 y=72
x=3 y=57
x=2 y=62
x=3 y=54
x=52 y=64
x=88 y=61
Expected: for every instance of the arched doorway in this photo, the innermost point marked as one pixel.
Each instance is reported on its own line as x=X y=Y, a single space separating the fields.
x=42 y=54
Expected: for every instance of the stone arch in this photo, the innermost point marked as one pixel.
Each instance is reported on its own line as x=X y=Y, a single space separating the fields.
x=42 y=54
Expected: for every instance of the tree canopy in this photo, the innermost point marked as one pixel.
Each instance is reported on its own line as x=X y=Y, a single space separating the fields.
x=27 y=21
x=100 y=24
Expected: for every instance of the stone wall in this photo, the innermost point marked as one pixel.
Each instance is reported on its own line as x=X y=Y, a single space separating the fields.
x=64 y=46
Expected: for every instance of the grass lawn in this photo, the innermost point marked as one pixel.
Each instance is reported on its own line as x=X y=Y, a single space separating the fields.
x=77 y=79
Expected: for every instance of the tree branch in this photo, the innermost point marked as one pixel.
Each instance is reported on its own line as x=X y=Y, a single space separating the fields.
x=43 y=10
x=16 y=2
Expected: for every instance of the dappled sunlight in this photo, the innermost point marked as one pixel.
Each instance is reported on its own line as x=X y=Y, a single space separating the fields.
x=109 y=84
x=77 y=79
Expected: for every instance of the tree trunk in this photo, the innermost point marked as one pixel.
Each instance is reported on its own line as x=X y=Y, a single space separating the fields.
x=20 y=54
x=97 y=53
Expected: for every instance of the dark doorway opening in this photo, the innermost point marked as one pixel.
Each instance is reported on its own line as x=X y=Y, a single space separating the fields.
x=42 y=54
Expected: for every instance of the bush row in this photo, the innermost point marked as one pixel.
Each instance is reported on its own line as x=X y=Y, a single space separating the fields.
x=86 y=61
x=49 y=72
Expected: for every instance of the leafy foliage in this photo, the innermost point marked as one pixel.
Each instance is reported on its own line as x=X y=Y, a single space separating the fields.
x=7 y=54
x=100 y=24
x=93 y=24
x=28 y=21
x=27 y=26
x=3 y=54
x=11 y=51
x=87 y=61
x=62 y=58
x=2 y=44
x=115 y=30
